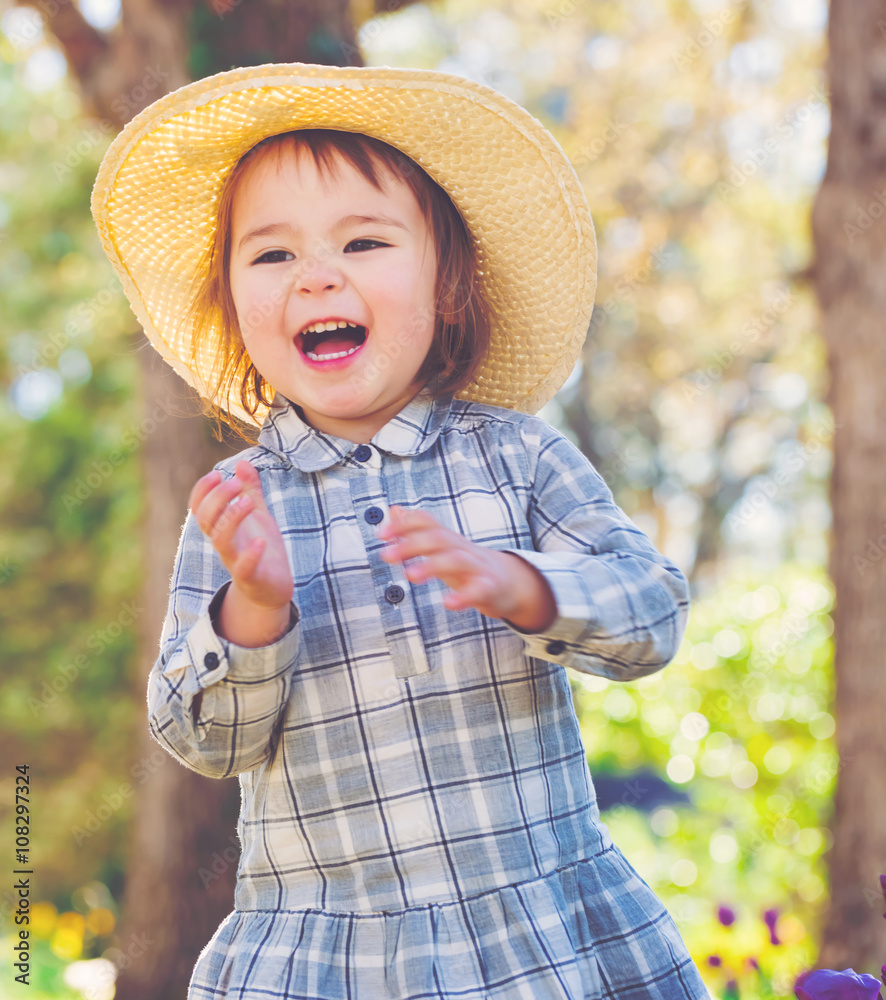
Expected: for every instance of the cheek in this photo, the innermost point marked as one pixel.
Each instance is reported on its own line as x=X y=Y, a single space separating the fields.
x=239 y=293
x=409 y=293
x=256 y=299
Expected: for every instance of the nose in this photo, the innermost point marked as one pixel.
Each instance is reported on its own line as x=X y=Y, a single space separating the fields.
x=318 y=274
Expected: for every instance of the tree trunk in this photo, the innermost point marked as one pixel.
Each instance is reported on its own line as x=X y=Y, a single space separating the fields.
x=849 y=226
x=183 y=847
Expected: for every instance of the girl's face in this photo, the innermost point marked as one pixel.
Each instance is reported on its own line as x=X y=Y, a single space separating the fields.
x=310 y=252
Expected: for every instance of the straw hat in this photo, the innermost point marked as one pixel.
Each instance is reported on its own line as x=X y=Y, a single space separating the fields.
x=156 y=194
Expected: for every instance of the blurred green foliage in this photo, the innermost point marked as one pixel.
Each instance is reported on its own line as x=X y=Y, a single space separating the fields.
x=71 y=493
x=740 y=720
x=698 y=130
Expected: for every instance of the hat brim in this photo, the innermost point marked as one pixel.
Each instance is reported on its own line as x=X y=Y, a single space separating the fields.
x=156 y=195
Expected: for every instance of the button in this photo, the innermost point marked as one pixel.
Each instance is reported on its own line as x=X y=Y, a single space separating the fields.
x=394 y=594
x=374 y=514
x=210 y=660
x=363 y=453
x=556 y=647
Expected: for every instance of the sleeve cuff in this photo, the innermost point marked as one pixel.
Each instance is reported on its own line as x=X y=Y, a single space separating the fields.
x=560 y=641
x=217 y=659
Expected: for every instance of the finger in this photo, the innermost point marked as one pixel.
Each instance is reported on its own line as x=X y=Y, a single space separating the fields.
x=423 y=536
x=248 y=475
x=202 y=488
x=245 y=565
x=420 y=543
x=216 y=503
x=402 y=522
x=451 y=566
x=478 y=592
x=229 y=520
x=389 y=526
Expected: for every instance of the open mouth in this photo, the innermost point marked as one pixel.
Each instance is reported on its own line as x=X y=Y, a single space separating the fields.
x=331 y=340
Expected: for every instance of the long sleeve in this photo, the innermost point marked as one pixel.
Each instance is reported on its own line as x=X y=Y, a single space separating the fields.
x=622 y=607
x=241 y=693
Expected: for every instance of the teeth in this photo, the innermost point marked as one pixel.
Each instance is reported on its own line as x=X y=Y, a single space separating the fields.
x=333 y=324
x=329 y=357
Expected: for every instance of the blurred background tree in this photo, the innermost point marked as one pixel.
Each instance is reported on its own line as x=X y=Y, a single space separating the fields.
x=850 y=246
x=698 y=130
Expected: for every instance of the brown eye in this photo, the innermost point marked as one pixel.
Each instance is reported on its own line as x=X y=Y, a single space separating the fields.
x=372 y=243
x=265 y=257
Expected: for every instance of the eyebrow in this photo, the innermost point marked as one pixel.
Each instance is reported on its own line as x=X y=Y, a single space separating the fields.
x=349 y=220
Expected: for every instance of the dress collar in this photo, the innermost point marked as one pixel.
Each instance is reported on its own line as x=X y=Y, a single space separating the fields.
x=413 y=430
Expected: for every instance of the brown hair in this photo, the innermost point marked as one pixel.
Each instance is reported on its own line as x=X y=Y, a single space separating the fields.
x=462 y=320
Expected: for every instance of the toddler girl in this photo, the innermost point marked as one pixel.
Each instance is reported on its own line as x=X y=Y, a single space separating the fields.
x=371 y=607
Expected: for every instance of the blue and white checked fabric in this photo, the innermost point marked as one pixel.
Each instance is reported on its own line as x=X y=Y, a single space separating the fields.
x=418 y=819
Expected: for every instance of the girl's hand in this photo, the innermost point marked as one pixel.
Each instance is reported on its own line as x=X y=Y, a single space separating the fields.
x=497 y=584
x=233 y=515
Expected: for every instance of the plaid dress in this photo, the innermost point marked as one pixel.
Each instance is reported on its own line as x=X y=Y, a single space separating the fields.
x=417 y=818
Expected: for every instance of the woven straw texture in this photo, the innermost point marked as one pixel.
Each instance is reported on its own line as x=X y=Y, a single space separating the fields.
x=156 y=194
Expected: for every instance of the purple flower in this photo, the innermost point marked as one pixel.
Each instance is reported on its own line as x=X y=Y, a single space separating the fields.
x=752 y=963
x=726 y=916
x=883 y=887
x=770 y=918
x=826 y=984
x=715 y=961
x=731 y=990
x=883 y=970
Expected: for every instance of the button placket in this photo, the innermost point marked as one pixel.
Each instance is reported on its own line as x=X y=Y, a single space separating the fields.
x=398 y=614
